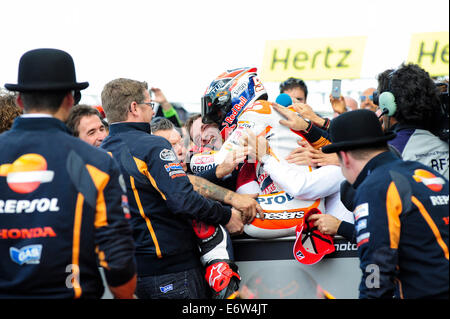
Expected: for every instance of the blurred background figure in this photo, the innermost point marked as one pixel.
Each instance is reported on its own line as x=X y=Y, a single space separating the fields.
x=8 y=110
x=366 y=99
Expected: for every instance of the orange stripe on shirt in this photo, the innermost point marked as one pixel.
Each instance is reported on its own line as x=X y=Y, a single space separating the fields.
x=393 y=209
x=142 y=167
x=147 y=220
x=431 y=224
x=76 y=246
x=100 y=180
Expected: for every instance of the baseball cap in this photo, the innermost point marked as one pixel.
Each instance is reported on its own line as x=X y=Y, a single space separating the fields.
x=311 y=245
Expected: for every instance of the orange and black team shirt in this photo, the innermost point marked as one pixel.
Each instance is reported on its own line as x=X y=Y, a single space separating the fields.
x=402 y=232
x=61 y=215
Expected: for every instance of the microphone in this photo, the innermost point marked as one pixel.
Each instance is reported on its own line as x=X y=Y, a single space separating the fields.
x=385 y=111
x=284 y=99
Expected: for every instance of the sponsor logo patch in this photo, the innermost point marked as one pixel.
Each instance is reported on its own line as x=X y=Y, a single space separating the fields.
x=439 y=200
x=299 y=255
x=361 y=224
x=166 y=289
x=167 y=155
x=37 y=232
x=175 y=170
x=26 y=173
x=30 y=254
x=29 y=206
x=361 y=210
x=362 y=239
x=429 y=180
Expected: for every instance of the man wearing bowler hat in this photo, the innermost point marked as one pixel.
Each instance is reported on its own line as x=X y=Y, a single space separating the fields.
x=60 y=199
x=401 y=212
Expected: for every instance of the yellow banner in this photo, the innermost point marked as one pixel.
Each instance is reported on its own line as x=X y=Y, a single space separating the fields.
x=313 y=59
x=430 y=51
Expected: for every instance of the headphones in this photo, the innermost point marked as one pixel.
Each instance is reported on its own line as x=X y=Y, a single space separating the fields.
x=386 y=99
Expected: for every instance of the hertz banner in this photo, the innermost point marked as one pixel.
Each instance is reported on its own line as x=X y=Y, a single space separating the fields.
x=313 y=59
x=430 y=51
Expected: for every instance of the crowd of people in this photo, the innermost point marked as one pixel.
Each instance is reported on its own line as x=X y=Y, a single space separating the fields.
x=154 y=196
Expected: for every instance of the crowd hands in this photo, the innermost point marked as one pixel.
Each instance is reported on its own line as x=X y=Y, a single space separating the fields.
x=193 y=135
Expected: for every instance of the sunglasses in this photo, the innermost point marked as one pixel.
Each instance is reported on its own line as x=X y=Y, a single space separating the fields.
x=363 y=97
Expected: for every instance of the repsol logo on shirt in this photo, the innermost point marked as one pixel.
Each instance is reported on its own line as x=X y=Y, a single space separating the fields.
x=439 y=200
x=41 y=205
x=201 y=168
x=280 y=199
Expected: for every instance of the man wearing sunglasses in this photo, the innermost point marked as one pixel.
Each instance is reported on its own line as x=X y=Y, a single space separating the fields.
x=367 y=100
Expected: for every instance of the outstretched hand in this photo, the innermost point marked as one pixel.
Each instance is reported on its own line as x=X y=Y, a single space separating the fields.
x=293 y=121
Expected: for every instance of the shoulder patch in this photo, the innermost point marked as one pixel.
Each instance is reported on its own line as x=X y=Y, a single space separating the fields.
x=361 y=210
x=167 y=155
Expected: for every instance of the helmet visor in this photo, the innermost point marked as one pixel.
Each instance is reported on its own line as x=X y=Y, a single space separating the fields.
x=214 y=109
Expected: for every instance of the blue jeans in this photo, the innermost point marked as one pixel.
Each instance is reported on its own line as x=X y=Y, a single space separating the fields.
x=188 y=284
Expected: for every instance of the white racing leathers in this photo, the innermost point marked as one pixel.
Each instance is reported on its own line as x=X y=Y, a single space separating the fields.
x=286 y=191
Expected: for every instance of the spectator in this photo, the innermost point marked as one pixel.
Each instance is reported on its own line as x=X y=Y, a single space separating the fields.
x=87 y=124
x=205 y=135
x=189 y=122
x=167 y=109
x=74 y=218
x=296 y=89
x=8 y=111
x=366 y=99
x=414 y=108
x=163 y=127
x=189 y=142
x=343 y=104
x=401 y=212
x=161 y=198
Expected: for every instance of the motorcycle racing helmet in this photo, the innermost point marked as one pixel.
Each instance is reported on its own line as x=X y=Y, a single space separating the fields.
x=228 y=95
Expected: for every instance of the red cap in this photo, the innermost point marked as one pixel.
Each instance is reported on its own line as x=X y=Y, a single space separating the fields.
x=311 y=245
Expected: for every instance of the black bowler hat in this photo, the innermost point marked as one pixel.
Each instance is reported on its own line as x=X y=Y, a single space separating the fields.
x=46 y=70
x=356 y=129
